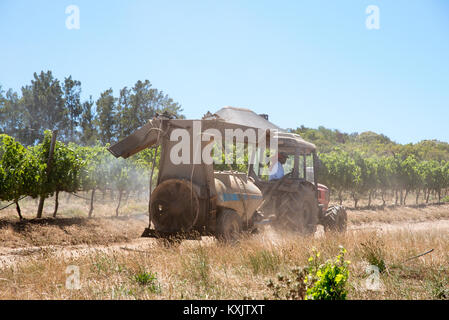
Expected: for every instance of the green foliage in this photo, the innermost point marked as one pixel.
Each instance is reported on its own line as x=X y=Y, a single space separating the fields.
x=372 y=144
x=48 y=103
x=235 y=159
x=327 y=281
x=439 y=286
x=66 y=166
x=88 y=133
x=135 y=106
x=363 y=164
x=107 y=119
x=339 y=171
x=360 y=174
x=358 y=163
x=24 y=172
x=20 y=171
x=327 y=140
x=149 y=280
x=95 y=172
x=318 y=281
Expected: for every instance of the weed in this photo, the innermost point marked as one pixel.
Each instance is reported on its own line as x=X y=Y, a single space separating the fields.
x=103 y=263
x=439 y=286
x=149 y=280
x=373 y=253
x=197 y=266
x=264 y=261
x=291 y=287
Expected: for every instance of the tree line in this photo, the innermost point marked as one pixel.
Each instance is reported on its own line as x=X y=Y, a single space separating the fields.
x=48 y=103
x=372 y=144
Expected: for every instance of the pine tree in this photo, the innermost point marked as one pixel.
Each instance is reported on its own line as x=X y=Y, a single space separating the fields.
x=106 y=120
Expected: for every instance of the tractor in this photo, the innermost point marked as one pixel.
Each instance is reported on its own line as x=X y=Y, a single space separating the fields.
x=191 y=199
x=296 y=201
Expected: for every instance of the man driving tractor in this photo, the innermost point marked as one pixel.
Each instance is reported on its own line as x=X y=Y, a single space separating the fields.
x=276 y=169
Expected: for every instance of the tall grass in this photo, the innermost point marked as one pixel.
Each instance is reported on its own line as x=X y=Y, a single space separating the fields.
x=206 y=270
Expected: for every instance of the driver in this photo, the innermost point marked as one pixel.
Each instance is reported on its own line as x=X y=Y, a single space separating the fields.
x=276 y=168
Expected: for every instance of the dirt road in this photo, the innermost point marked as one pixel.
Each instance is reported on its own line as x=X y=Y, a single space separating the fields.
x=11 y=256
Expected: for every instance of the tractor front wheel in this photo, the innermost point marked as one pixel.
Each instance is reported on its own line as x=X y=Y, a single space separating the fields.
x=335 y=219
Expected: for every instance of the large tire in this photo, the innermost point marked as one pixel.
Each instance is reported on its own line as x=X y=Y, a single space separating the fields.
x=298 y=211
x=174 y=206
x=335 y=219
x=229 y=226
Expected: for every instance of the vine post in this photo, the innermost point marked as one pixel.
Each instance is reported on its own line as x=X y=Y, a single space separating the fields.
x=49 y=161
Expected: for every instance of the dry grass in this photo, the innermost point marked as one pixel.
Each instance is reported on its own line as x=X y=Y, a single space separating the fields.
x=69 y=231
x=71 y=226
x=206 y=269
x=399 y=214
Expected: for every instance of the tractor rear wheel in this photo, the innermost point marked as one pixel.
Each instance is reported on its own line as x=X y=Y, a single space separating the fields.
x=298 y=211
x=229 y=226
x=335 y=219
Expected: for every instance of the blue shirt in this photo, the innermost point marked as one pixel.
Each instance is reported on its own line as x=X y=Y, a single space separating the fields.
x=276 y=172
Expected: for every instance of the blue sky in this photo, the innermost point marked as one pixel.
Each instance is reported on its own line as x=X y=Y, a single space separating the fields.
x=302 y=62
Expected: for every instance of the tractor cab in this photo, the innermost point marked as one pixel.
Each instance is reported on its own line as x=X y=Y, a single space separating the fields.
x=299 y=162
x=294 y=195
x=296 y=156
